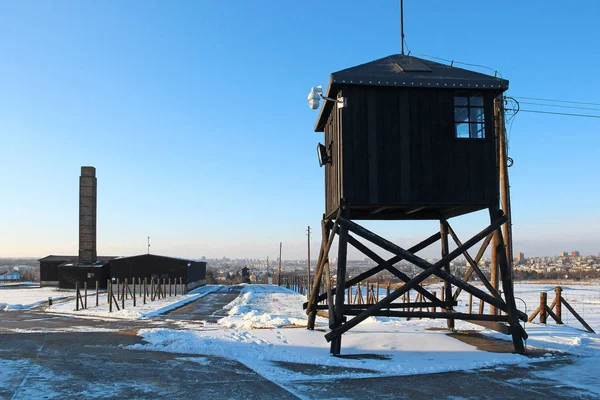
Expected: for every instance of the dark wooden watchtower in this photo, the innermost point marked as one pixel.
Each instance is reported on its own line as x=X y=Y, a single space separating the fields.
x=411 y=139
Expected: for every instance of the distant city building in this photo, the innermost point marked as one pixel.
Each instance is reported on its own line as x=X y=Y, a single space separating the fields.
x=574 y=253
x=563 y=254
x=520 y=258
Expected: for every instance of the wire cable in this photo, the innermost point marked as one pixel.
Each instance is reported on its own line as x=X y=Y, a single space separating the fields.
x=557 y=101
x=452 y=62
x=558 y=113
x=559 y=106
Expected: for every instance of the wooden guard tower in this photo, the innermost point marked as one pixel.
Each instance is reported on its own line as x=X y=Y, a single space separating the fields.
x=411 y=139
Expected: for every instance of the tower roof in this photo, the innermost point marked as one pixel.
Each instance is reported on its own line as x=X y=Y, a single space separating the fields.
x=408 y=71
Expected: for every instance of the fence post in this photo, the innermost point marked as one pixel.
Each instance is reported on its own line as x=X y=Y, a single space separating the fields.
x=118 y=288
x=133 y=291
x=558 y=302
x=470 y=303
x=433 y=293
x=109 y=294
x=97 y=287
x=85 y=292
x=123 y=294
x=76 y=296
x=543 y=305
x=175 y=285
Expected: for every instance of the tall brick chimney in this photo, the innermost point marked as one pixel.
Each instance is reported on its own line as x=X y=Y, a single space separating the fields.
x=87 y=215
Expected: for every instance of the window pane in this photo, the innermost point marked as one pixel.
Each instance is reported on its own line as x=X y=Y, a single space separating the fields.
x=477 y=101
x=462 y=131
x=461 y=114
x=477 y=131
x=460 y=101
x=477 y=115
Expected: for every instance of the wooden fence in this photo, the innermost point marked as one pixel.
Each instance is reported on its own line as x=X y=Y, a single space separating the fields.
x=555 y=310
x=135 y=289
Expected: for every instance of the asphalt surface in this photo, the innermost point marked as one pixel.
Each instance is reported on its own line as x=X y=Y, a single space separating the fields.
x=39 y=360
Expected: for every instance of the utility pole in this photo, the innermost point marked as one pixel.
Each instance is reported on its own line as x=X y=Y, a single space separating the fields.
x=279 y=277
x=402 y=25
x=268 y=270
x=309 y=285
x=148 y=244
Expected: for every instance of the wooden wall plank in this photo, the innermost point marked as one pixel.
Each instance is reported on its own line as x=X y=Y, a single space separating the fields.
x=372 y=146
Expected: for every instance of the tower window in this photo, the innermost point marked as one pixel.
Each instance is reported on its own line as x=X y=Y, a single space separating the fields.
x=469 y=118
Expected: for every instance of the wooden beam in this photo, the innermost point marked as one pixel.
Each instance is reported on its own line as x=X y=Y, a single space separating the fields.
x=474 y=266
x=478 y=257
x=507 y=287
x=414 y=210
x=382 y=265
x=444 y=227
x=338 y=307
x=394 y=305
x=373 y=256
x=495 y=326
x=551 y=313
x=535 y=313
x=440 y=314
x=319 y=270
x=430 y=270
x=378 y=210
x=419 y=262
x=581 y=320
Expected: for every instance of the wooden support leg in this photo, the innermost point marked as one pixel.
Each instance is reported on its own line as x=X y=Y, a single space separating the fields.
x=446 y=267
x=336 y=343
x=507 y=286
x=326 y=243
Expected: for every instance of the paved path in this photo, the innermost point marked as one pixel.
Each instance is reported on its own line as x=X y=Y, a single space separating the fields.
x=48 y=363
x=208 y=308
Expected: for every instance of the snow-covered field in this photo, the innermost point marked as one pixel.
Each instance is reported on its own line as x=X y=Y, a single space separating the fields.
x=21 y=299
x=402 y=347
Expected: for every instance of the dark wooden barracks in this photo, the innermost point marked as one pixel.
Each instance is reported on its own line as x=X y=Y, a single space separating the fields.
x=64 y=271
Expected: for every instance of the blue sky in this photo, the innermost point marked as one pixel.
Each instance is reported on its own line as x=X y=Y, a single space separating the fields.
x=196 y=119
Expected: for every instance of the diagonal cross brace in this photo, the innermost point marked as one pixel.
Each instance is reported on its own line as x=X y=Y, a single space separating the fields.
x=419 y=262
x=388 y=266
x=474 y=266
x=430 y=269
x=478 y=257
x=382 y=265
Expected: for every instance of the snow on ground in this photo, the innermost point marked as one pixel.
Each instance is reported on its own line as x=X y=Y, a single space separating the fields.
x=24 y=298
x=148 y=310
x=264 y=306
x=401 y=347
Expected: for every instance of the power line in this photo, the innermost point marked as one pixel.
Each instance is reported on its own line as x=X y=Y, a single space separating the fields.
x=558 y=113
x=559 y=106
x=557 y=101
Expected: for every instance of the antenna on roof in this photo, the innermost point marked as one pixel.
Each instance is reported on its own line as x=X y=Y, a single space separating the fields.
x=402 y=24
